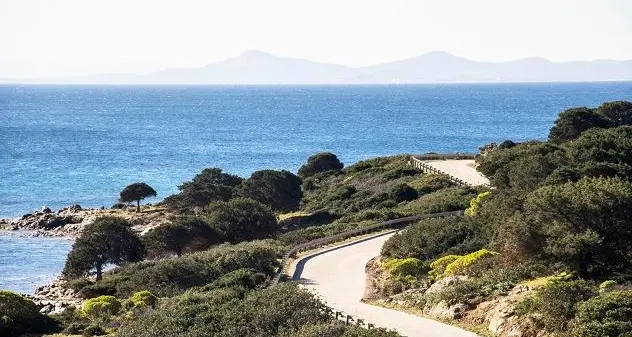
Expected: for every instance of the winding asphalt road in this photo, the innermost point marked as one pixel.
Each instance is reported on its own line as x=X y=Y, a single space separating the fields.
x=339 y=278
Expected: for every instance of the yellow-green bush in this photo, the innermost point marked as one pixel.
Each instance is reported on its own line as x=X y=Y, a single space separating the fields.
x=438 y=266
x=143 y=299
x=460 y=265
x=404 y=267
x=101 y=307
x=475 y=203
x=607 y=285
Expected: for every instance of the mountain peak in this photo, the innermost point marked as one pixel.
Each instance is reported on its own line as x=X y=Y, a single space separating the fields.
x=252 y=53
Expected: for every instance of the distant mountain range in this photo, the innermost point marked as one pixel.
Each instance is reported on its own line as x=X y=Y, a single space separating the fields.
x=256 y=67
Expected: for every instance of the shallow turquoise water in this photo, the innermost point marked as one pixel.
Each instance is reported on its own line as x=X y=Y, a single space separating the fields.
x=26 y=263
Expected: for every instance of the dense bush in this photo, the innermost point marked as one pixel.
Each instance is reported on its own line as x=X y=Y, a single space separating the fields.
x=431 y=238
x=609 y=314
x=173 y=276
x=462 y=264
x=429 y=183
x=403 y=192
x=405 y=267
x=143 y=299
x=19 y=316
x=100 y=308
x=446 y=200
x=241 y=219
x=585 y=225
x=318 y=163
x=223 y=312
x=246 y=278
x=279 y=190
x=337 y=330
x=557 y=302
x=572 y=122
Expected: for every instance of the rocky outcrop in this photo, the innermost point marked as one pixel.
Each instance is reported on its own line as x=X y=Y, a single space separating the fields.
x=55 y=297
x=69 y=221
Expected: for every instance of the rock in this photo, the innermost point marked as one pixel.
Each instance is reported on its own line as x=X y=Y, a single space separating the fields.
x=46 y=210
x=444 y=282
x=442 y=309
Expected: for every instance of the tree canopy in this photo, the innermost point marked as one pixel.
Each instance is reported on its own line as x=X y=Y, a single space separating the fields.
x=241 y=219
x=572 y=122
x=209 y=185
x=108 y=240
x=280 y=190
x=320 y=162
x=137 y=192
x=184 y=234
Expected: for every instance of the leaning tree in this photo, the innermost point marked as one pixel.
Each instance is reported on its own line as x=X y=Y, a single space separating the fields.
x=108 y=240
x=137 y=192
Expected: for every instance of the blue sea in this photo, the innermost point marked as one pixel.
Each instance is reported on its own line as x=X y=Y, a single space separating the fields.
x=62 y=145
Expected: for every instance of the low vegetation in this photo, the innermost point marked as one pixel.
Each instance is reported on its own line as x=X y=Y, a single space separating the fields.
x=556 y=226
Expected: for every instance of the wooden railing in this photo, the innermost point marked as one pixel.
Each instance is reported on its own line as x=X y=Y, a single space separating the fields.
x=446 y=156
x=425 y=167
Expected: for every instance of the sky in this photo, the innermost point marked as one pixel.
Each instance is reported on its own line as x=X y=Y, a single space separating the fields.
x=48 y=38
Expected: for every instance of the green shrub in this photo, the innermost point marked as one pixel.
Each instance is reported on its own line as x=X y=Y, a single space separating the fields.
x=446 y=200
x=226 y=312
x=475 y=203
x=429 y=183
x=100 y=308
x=405 y=267
x=609 y=314
x=93 y=330
x=557 y=302
x=403 y=192
x=607 y=285
x=19 y=315
x=75 y=328
x=143 y=299
x=432 y=238
x=318 y=163
x=173 y=276
x=461 y=265
x=337 y=329
x=459 y=292
x=245 y=278
x=438 y=266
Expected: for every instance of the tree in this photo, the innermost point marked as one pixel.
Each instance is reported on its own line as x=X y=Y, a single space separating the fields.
x=108 y=240
x=241 y=219
x=183 y=234
x=280 y=190
x=572 y=122
x=137 y=192
x=586 y=225
x=320 y=162
x=209 y=185
x=618 y=112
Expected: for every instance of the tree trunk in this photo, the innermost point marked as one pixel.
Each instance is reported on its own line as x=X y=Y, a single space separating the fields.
x=99 y=272
x=138 y=206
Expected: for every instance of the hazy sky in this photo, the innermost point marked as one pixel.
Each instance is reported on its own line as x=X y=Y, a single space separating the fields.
x=69 y=37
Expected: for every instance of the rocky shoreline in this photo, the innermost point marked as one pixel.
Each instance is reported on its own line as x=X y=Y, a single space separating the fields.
x=68 y=222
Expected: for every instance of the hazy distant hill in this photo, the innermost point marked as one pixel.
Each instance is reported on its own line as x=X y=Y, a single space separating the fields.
x=255 y=67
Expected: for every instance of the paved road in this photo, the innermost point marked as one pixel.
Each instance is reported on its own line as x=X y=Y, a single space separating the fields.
x=338 y=277
x=462 y=169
